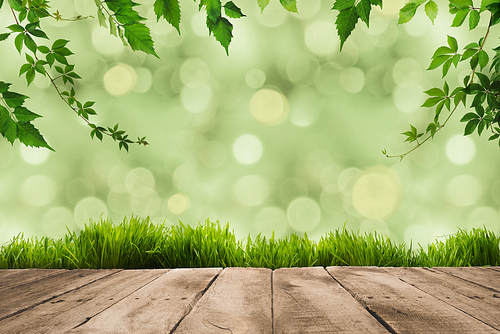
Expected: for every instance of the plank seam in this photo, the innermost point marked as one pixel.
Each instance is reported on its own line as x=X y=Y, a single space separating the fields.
x=447 y=303
x=272 y=301
x=463 y=279
x=88 y=318
x=54 y=297
x=365 y=306
x=195 y=300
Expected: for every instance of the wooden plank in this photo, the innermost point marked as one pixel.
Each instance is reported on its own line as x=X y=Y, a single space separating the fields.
x=239 y=301
x=309 y=300
x=12 y=277
x=77 y=306
x=484 y=276
x=404 y=308
x=155 y=308
x=23 y=296
x=473 y=299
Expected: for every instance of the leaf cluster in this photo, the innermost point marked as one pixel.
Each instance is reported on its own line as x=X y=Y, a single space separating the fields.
x=350 y=11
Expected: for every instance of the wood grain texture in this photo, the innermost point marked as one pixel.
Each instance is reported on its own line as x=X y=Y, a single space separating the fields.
x=309 y=300
x=155 y=308
x=15 y=277
x=238 y=302
x=29 y=294
x=479 y=302
x=485 y=276
x=77 y=306
x=403 y=307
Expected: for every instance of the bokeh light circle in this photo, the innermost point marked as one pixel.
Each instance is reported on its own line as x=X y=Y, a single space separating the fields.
x=484 y=217
x=321 y=38
x=78 y=189
x=255 y=78
x=144 y=80
x=247 y=149
x=271 y=219
x=178 y=203
x=407 y=73
x=196 y=100
x=55 y=221
x=120 y=80
x=251 y=190
x=332 y=200
x=303 y=214
x=38 y=190
x=463 y=190
x=194 y=73
x=408 y=100
x=269 y=107
x=376 y=193
x=34 y=155
x=140 y=182
x=89 y=208
x=460 y=149
x=347 y=179
x=352 y=79
x=305 y=106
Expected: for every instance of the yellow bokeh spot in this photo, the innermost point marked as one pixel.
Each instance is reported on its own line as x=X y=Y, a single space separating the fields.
x=269 y=107
x=120 y=80
x=178 y=203
x=376 y=193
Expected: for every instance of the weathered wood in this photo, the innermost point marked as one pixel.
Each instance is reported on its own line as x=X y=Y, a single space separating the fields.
x=14 y=277
x=239 y=301
x=309 y=300
x=23 y=296
x=155 y=308
x=403 y=307
x=77 y=306
x=484 y=276
x=475 y=300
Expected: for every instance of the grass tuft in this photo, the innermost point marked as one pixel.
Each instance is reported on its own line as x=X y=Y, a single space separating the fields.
x=139 y=244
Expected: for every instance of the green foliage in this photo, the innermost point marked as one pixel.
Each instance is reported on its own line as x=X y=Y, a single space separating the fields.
x=139 y=244
x=349 y=13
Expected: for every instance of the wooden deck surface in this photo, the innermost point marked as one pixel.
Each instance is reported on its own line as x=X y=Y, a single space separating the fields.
x=251 y=300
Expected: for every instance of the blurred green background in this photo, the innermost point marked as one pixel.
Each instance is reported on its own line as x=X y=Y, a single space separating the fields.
x=285 y=134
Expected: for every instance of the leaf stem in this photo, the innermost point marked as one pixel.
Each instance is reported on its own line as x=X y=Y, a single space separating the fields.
x=401 y=156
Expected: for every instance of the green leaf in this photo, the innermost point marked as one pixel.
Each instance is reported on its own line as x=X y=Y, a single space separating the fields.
x=262 y=4
x=9 y=128
x=468 y=53
x=460 y=17
x=18 y=42
x=112 y=27
x=483 y=59
x=435 y=92
x=442 y=50
x=14 y=100
x=407 y=12
x=452 y=42
x=232 y=10
x=473 y=19
x=170 y=10
x=4 y=87
x=30 y=43
x=431 y=9
x=124 y=12
x=289 y=5
x=478 y=99
x=38 y=33
x=467 y=117
x=24 y=68
x=346 y=21
x=438 y=61
x=461 y=3
x=485 y=81
x=343 y=4
x=1 y=3
x=432 y=101
x=3 y=37
x=60 y=43
x=24 y=115
x=222 y=32
x=17 y=5
x=446 y=66
x=471 y=126
x=101 y=17
x=364 y=7
x=30 y=75
x=214 y=8
x=137 y=35
x=16 y=28
x=30 y=136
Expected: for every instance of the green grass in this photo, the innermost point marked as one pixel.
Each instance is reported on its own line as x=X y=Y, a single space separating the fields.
x=138 y=243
